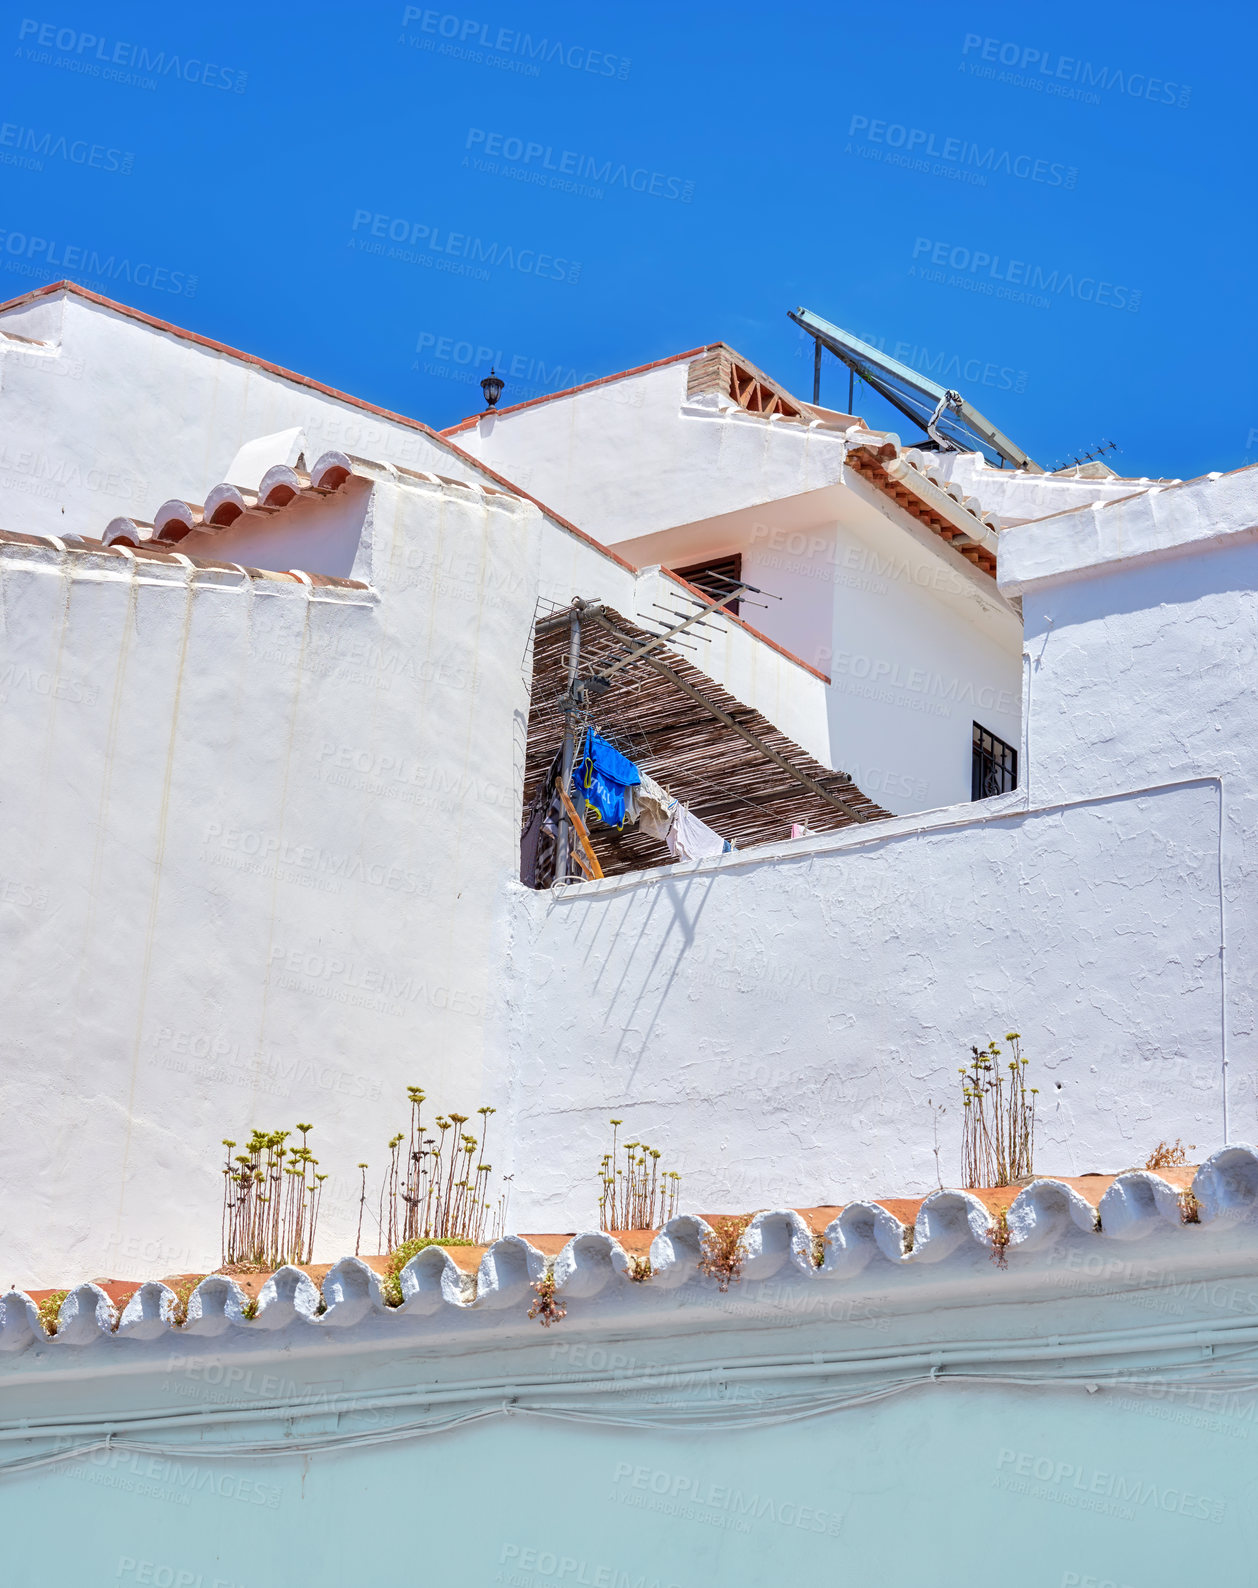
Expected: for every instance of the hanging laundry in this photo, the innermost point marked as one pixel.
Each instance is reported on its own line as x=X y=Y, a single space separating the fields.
x=538 y=837
x=530 y=842
x=602 y=776
x=655 y=808
x=691 y=839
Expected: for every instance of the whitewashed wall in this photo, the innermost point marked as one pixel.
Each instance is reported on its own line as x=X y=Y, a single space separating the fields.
x=255 y=837
x=780 y=1024
x=917 y=643
x=262 y=842
x=106 y=416
x=258 y=842
x=630 y=457
x=1141 y=640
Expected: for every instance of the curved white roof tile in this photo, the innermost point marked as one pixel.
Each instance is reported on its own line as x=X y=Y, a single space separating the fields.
x=224 y=505
x=226 y=502
x=1043 y=1212
x=174 y=519
x=331 y=470
x=351 y=1292
x=127 y=532
x=432 y=1280
x=279 y=485
x=950 y=1225
x=19 y=1322
x=288 y=1296
x=84 y=1315
x=150 y=1312
x=216 y=1305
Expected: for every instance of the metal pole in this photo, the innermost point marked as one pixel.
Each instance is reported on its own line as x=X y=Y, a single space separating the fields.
x=851 y=386
x=816 y=371
x=563 y=837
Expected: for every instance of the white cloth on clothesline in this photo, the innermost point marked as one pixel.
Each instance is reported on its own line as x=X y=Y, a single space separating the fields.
x=691 y=839
x=655 y=808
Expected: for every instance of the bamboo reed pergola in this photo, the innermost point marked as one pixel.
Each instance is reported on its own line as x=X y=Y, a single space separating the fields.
x=736 y=771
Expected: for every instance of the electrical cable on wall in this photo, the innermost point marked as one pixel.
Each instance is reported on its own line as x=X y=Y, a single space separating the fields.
x=786 y=1410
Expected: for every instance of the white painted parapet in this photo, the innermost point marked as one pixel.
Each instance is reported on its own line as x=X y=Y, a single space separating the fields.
x=949 y=1229
x=788 y=1021
x=258 y=828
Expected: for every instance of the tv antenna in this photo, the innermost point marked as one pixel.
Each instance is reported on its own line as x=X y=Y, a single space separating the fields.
x=1094 y=456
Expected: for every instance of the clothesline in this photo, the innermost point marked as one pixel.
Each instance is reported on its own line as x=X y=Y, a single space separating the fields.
x=618 y=793
x=622 y=735
x=692 y=837
x=675 y=728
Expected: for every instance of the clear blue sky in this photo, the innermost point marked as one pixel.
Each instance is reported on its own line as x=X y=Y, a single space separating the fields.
x=1057 y=202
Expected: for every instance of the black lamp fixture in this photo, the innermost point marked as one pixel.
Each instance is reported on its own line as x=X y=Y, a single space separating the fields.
x=492 y=387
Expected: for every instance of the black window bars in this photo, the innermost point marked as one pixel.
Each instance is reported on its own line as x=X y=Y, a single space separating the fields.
x=995 y=765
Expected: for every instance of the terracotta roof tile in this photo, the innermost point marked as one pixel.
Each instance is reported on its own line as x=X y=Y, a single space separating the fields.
x=83 y=546
x=312 y=385
x=898 y=1231
x=506 y=485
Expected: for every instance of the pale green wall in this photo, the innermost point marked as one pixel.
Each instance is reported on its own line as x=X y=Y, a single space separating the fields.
x=906 y=1493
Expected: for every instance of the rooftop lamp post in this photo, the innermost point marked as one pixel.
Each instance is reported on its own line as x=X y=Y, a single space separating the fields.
x=492 y=387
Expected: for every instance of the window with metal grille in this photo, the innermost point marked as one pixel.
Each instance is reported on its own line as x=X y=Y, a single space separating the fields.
x=715 y=577
x=995 y=765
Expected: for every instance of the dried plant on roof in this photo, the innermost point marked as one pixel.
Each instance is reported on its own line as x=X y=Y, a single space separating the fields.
x=638 y=1194
x=1164 y=1156
x=723 y=1251
x=440 y=1190
x=271 y=1197
x=362 y=1207
x=1000 y=1236
x=548 y=1308
x=998 y=1117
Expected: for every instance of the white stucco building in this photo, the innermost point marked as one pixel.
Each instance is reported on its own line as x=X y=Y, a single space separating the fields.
x=270 y=681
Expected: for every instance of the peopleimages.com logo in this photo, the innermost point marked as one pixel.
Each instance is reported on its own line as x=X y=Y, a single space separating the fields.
x=115 y=61
x=409 y=237
x=31 y=148
x=571 y=163
x=513 y=367
x=465 y=38
x=1066 y=1481
x=1028 y=67
x=951 y=369
x=980 y=270
x=920 y=142
x=88 y=265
